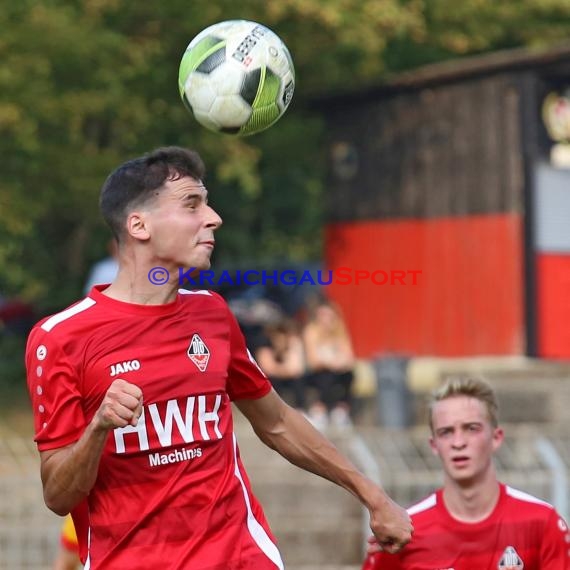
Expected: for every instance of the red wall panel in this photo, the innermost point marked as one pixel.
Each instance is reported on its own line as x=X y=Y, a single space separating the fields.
x=553 y=305
x=468 y=300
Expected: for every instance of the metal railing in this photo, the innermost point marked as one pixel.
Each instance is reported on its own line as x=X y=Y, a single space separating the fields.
x=533 y=459
x=29 y=532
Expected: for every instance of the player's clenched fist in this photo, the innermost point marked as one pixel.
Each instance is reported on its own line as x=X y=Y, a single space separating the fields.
x=121 y=406
x=391 y=525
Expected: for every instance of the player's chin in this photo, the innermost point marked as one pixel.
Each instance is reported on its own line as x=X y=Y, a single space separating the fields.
x=201 y=264
x=206 y=266
x=462 y=477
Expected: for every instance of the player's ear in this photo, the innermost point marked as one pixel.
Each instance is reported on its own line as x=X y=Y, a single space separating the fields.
x=498 y=437
x=137 y=226
x=433 y=446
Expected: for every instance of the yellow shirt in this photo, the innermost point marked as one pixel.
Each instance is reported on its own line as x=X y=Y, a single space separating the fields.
x=68 y=535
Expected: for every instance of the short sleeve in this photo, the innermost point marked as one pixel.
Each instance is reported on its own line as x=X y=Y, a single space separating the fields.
x=54 y=392
x=246 y=380
x=554 y=551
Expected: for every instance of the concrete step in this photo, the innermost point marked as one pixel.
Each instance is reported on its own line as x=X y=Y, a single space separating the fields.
x=321 y=543
x=311 y=499
x=317 y=524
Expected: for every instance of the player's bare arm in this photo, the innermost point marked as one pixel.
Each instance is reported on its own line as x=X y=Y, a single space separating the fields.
x=68 y=473
x=286 y=431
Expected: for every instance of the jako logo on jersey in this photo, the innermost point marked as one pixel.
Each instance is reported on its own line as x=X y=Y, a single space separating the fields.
x=198 y=353
x=126 y=366
x=510 y=560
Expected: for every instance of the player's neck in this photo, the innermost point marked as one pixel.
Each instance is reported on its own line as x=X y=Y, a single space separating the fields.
x=130 y=287
x=474 y=502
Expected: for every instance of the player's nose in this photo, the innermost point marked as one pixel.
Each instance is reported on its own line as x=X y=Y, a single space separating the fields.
x=213 y=219
x=458 y=441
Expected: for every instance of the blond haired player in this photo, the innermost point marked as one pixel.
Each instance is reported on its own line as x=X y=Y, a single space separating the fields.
x=475 y=522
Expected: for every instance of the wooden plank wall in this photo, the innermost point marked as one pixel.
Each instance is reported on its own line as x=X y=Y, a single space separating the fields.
x=443 y=164
x=451 y=150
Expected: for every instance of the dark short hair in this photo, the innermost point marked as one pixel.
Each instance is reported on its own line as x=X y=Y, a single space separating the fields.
x=136 y=182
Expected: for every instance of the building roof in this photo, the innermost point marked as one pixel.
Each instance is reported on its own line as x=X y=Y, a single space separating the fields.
x=461 y=69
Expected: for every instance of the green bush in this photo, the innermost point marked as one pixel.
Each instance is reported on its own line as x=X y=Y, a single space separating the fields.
x=13 y=391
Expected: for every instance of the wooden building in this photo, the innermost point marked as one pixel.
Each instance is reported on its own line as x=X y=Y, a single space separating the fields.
x=459 y=171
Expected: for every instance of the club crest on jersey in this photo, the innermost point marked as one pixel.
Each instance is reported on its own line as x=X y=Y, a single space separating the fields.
x=198 y=353
x=510 y=560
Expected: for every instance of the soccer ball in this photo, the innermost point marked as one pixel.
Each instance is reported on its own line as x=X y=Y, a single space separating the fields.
x=236 y=77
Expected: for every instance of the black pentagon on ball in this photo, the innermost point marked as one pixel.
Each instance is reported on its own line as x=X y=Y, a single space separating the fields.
x=230 y=130
x=288 y=93
x=214 y=60
x=250 y=85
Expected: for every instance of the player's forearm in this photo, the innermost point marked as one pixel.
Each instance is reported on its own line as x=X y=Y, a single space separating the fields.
x=301 y=444
x=69 y=474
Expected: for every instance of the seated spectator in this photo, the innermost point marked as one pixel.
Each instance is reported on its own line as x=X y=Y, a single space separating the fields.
x=16 y=317
x=253 y=316
x=280 y=355
x=330 y=361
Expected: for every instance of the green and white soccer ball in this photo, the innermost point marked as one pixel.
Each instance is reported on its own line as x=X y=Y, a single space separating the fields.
x=236 y=77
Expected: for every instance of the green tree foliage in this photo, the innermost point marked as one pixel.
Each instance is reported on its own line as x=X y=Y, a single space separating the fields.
x=86 y=84
x=451 y=29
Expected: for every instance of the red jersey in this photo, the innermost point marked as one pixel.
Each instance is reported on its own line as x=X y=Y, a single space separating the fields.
x=171 y=492
x=522 y=532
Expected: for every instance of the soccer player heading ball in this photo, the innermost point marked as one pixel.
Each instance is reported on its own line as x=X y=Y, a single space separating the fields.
x=475 y=522
x=132 y=389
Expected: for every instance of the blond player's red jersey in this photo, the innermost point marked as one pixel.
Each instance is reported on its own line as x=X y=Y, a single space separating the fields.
x=522 y=533
x=171 y=492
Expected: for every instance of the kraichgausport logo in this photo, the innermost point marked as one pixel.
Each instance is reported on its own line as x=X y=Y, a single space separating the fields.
x=192 y=277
